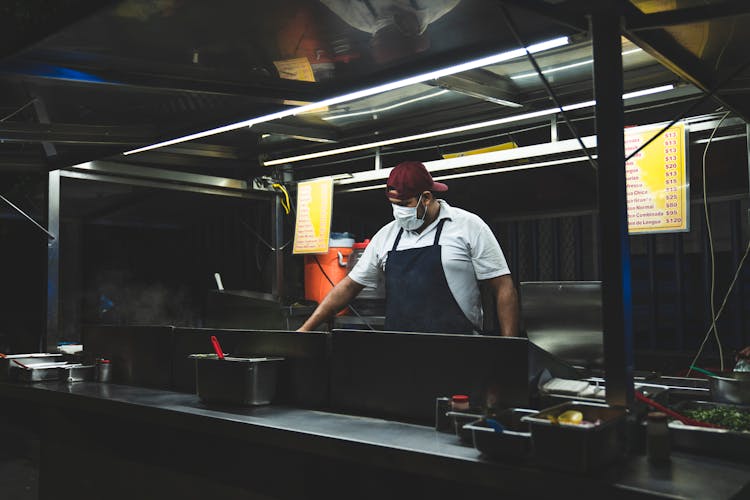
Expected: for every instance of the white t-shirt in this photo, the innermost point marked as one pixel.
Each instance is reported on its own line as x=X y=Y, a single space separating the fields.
x=469 y=251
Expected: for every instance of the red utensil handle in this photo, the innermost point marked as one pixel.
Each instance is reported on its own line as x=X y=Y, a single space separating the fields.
x=217 y=347
x=672 y=413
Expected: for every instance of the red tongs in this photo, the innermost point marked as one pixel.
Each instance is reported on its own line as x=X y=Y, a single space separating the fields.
x=674 y=414
x=217 y=347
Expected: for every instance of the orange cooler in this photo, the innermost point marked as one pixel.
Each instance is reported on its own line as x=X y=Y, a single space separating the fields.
x=334 y=265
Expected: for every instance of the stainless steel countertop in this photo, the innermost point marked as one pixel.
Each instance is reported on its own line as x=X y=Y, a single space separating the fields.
x=387 y=443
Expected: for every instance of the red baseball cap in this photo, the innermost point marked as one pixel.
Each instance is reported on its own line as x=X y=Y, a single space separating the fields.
x=409 y=179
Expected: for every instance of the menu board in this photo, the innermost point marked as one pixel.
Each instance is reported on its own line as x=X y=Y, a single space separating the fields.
x=657 y=181
x=314 y=206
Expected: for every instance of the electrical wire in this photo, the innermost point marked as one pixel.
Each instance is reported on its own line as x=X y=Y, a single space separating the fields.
x=6 y=200
x=709 y=235
x=330 y=281
x=512 y=26
x=18 y=110
x=723 y=303
x=710 y=93
x=285 y=200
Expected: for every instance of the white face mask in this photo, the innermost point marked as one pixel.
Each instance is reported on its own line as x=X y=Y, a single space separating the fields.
x=406 y=217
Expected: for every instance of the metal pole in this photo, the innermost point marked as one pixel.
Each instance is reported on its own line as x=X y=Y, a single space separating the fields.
x=378 y=159
x=553 y=129
x=277 y=240
x=610 y=123
x=53 y=263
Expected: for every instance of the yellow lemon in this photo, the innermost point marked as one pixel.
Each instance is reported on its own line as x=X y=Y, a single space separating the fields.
x=570 y=417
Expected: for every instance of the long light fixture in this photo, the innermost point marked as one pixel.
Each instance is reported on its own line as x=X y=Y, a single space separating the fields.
x=528 y=166
x=463 y=128
x=458 y=68
x=567 y=66
x=386 y=108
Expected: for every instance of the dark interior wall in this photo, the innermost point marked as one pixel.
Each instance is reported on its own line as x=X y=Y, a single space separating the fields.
x=23 y=257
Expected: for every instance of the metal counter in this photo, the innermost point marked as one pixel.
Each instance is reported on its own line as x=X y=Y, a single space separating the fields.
x=384 y=451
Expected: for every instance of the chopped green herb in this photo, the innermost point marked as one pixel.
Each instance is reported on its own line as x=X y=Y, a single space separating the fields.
x=734 y=419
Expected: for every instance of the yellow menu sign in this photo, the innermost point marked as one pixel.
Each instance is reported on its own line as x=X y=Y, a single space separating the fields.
x=657 y=181
x=314 y=206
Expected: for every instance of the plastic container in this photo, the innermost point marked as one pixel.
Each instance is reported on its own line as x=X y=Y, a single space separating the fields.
x=460 y=402
x=103 y=370
x=586 y=447
x=320 y=268
x=369 y=292
x=234 y=380
x=341 y=240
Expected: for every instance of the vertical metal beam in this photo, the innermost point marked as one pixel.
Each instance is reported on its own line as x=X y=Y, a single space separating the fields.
x=53 y=262
x=680 y=287
x=277 y=240
x=553 y=129
x=747 y=143
x=735 y=211
x=652 y=291
x=610 y=124
x=378 y=159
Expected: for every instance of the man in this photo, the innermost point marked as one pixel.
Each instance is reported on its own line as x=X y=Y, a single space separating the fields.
x=434 y=257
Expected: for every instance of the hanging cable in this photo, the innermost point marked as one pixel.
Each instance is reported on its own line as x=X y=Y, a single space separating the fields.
x=709 y=235
x=285 y=200
x=723 y=303
x=710 y=93
x=6 y=200
x=552 y=95
x=18 y=110
x=317 y=261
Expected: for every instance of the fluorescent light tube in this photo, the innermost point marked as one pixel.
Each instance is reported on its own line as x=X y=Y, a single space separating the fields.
x=476 y=63
x=463 y=128
x=567 y=66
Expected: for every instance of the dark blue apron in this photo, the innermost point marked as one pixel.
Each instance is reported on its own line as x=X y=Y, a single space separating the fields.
x=417 y=297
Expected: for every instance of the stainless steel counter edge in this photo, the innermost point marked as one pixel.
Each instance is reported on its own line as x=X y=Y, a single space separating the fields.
x=397 y=445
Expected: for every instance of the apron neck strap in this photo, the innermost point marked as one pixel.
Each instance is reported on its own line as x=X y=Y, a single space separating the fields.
x=438 y=231
x=437 y=234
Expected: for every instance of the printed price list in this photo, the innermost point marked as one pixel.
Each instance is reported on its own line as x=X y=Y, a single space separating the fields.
x=656 y=180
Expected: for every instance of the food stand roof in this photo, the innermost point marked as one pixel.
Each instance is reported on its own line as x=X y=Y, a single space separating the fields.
x=81 y=82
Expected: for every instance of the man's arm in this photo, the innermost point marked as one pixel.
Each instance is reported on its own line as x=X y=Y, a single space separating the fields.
x=506 y=303
x=341 y=294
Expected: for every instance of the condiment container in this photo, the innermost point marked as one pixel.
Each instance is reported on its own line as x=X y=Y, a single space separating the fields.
x=103 y=370
x=235 y=380
x=459 y=402
x=658 y=446
x=593 y=444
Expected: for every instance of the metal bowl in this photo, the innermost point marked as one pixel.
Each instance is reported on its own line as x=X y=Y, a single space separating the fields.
x=731 y=388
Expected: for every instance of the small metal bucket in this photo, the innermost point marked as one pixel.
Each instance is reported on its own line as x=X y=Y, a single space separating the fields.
x=731 y=388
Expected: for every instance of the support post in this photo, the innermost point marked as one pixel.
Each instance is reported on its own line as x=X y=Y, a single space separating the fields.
x=277 y=240
x=49 y=343
x=615 y=244
x=378 y=159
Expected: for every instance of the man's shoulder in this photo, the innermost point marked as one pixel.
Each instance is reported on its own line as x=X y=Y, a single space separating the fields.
x=463 y=216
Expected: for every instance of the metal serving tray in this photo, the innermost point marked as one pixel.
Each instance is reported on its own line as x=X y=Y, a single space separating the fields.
x=235 y=381
x=459 y=420
x=722 y=443
x=38 y=373
x=578 y=448
x=514 y=442
x=76 y=372
x=8 y=369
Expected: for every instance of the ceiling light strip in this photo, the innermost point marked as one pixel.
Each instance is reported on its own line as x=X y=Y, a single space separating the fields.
x=455 y=130
x=567 y=66
x=476 y=63
x=577 y=159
